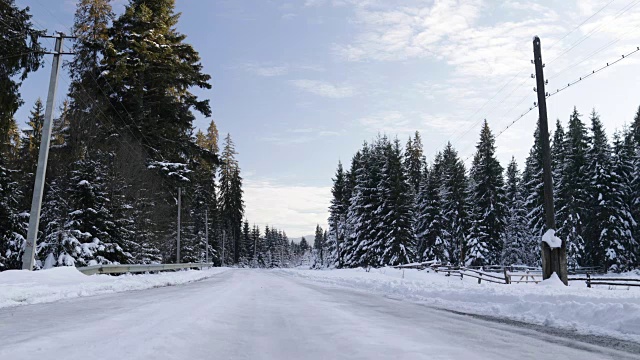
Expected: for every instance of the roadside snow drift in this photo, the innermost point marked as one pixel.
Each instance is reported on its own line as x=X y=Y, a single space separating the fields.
x=18 y=287
x=597 y=311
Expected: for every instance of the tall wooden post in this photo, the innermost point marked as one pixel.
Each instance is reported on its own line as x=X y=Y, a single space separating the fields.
x=553 y=259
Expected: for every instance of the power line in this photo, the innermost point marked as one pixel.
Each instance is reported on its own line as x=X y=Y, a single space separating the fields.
x=629 y=6
x=593 y=72
x=597 y=51
x=582 y=23
x=559 y=90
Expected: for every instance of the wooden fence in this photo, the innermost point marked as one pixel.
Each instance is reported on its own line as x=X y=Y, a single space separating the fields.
x=516 y=274
x=611 y=282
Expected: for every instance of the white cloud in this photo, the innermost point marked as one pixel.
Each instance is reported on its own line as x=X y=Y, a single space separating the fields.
x=267 y=70
x=324 y=88
x=294 y=209
x=387 y=122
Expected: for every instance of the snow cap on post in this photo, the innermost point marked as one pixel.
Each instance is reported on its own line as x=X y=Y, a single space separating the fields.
x=551 y=239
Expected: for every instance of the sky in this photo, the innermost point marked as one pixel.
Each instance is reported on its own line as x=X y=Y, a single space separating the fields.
x=300 y=85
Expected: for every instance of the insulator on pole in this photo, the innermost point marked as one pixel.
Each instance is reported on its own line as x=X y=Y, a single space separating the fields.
x=546 y=82
x=533 y=76
x=534 y=90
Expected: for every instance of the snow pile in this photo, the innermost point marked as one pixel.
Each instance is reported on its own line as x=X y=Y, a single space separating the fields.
x=18 y=287
x=597 y=311
x=551 y=239
x=553 y=281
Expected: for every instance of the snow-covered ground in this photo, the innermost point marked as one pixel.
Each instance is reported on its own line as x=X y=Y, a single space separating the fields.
x=595 y=311
x=19 y=287
x=262 y=314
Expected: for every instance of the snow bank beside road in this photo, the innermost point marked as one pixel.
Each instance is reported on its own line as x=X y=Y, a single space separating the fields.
x=18 y=287
x=597 y=311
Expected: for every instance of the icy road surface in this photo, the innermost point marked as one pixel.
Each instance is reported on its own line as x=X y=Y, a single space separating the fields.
x=255 y=314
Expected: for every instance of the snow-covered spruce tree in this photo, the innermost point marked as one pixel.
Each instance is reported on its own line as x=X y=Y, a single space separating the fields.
x=573 y=192
x=633 y=139
x=247 y=245
x=258 y=241
x=90 y=225
x=599 y=211
x=12 y=226
x=395 y=241
x=318 y=246
x=21 y=55
x=347 y=249
x=338 y=216
x=414 y=162
x=363 y=203
x=455 y=210
x=487 y=201
x=429 y=226
x=532 y=192
x=518 y=246
x=231 y=202
x=558 y=155
x=620 y=246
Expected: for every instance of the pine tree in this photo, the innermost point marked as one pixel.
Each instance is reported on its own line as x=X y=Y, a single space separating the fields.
x=231 y=203
x=12 y=229
x=90 y=226
x=558 y=156
x=33 y=134
x=633 y=141
x=429 y=222
x=620 y=246
x=487 y=200
x=598 y=229
x=573 y=192
x=395 y=242
x=318 y=246
x=519 y=246
x=414 y=162
x=338 y=215
x=150 y=70
x=532 y=192
x=364 y=200
x=455 y=210
x=21 y=55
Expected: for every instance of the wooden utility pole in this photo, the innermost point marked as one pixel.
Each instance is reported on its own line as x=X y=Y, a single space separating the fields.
x=206 y=235
x=178 y=230
x=224 y=238
x=553 y=259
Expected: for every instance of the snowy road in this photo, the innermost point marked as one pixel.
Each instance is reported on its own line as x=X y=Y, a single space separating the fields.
x=253 y=314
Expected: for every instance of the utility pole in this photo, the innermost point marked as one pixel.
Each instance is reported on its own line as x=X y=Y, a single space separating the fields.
x=206 y=235
x=255 y=248
x=28 y=258
x=224 y=237
x=553 y=259
x=178 y=238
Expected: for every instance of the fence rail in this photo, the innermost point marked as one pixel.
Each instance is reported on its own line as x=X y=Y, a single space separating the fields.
x=607 y=281
x=123 y=269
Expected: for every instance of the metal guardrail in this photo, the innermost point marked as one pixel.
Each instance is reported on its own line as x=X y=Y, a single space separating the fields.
x=123 y=269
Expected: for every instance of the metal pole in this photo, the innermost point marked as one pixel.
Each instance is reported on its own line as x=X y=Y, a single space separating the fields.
x=28 y=258
x=553 y=260
x=206 y=235
x=178 y=239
